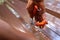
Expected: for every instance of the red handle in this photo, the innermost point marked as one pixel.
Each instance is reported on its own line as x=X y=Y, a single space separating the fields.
x=35 y=9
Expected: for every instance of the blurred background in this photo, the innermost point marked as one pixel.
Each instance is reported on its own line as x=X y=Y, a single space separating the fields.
x=14 y=13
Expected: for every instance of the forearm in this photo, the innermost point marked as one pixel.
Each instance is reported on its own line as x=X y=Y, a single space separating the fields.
x=29 y=3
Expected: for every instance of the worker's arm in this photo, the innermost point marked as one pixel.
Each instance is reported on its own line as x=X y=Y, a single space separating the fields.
x=8 y=32
x=29 y=3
